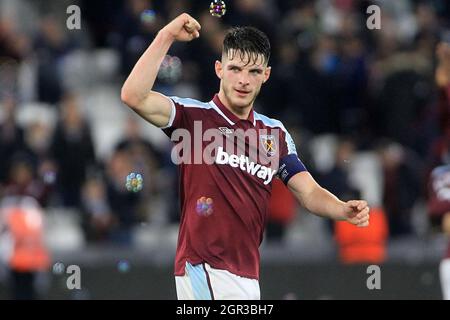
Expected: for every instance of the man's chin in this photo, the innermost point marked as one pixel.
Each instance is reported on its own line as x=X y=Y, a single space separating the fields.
x=241 y=103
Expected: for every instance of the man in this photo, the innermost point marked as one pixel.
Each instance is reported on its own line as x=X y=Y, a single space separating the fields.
x=439 y=186
x=224 y=204
x=22 y=244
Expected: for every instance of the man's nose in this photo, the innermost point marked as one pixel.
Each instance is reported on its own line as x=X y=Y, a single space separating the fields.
x=244 y=79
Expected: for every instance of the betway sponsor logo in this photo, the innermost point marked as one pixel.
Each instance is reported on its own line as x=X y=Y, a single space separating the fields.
x=244 y=163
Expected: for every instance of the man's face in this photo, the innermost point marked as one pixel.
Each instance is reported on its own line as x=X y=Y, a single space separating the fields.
x=241 y=78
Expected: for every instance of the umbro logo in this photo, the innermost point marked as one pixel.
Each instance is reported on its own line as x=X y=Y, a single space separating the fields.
x=226 y=131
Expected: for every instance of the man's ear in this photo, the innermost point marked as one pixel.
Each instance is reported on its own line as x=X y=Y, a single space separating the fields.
x=267 y=74
x=219 y=69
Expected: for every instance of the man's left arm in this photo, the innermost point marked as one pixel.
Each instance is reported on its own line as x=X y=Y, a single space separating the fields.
x=325 y=204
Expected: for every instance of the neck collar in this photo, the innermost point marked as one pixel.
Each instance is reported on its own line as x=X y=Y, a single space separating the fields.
x=230 y=115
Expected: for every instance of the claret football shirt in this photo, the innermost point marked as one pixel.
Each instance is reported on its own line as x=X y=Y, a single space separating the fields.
x=225 y=182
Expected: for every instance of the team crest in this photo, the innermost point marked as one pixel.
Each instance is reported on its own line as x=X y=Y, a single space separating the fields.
x=268 y=143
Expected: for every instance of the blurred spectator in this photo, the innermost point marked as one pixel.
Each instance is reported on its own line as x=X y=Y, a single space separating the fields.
x=403 y=172
x=38 y=141
x=98 y=220
x=282 y=211
x=50 y=45
x=336 y=180
x=101 y=30
x=23 y=181
x=136 y=28
x=123 y=203
x=11 y=136
x=440 y=148
x=282 y=88
x=350 y=90
x=363 y=246
x=404 y=92
x=73 y=151
x=260 y=14
x=13 y=44
x=14 y=48
x=144 y=159
x=22 y=244
x=143 y=154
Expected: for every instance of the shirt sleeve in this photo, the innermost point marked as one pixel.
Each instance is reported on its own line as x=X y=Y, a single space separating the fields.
x=179 y=117
x=289 y=164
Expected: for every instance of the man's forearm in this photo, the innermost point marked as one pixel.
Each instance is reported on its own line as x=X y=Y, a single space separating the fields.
x=143 y=76
x=325 y=204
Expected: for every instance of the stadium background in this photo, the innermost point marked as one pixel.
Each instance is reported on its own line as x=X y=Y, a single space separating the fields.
x=361 y=104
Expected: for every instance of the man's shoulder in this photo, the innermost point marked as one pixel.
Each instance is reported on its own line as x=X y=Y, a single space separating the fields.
x=190 y=102
x=274 y=123
x=269 y=122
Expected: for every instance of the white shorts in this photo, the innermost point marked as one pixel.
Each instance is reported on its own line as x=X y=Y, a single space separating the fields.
x=444 y=274
x=201 y=282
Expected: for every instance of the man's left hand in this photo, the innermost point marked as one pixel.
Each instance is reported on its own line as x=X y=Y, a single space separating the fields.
x=357 y=212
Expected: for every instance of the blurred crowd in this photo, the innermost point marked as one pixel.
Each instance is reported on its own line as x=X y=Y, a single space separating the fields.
x=372 y=91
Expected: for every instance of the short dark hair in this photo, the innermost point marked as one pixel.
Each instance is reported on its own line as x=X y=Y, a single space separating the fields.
x=247 y=41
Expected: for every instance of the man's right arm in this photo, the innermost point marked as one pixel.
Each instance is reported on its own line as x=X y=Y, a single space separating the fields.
x=137 y=90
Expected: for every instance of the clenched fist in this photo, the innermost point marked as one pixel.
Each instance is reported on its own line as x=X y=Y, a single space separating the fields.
x=357 y=212
x=182 y=28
